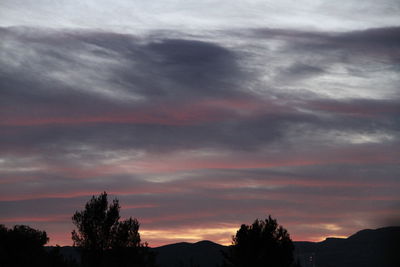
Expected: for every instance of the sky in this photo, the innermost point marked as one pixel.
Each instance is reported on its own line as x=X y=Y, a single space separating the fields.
x=200 y=116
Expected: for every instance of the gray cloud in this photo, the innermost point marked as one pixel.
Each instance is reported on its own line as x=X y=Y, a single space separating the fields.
x=267 y=124
x=126 y=15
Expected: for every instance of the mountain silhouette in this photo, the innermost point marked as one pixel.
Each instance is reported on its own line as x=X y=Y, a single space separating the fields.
x=366 y=248
x=203 y=253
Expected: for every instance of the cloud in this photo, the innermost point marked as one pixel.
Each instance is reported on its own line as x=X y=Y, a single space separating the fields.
x=193 y=15
x=232 y=125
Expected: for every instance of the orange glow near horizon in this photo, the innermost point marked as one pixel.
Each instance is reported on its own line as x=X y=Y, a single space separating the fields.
x=221 y=235
x=158 y=238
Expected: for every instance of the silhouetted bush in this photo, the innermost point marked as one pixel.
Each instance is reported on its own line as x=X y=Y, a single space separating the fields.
x=105 y=241
x=23 y=246
x=264 y=243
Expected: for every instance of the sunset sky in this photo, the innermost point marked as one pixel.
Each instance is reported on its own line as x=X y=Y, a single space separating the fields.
x=201 y=115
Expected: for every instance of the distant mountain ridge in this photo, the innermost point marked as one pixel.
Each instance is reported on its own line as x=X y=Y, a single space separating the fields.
x=366 y=248
x=203 y=253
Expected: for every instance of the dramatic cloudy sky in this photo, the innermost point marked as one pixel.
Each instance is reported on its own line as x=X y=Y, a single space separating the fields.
x=201 y=115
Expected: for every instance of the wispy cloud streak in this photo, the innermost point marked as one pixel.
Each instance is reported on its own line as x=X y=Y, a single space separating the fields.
x=198 y=133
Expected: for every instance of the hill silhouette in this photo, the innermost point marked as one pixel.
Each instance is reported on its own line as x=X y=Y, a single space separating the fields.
x=366 y=248
x=203 y=253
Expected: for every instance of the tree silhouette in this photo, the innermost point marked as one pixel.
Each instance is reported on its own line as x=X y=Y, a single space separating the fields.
x=96 y=224
x=104 y=240
x=264 y=243
x=24 y=246
x=21 y=246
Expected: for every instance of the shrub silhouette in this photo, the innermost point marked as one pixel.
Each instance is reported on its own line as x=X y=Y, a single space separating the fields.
x=264 y=243
x=104 y=240
x=22 y=246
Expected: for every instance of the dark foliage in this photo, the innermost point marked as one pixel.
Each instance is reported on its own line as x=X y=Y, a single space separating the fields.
x=56 y=259
x=22 y=246
x=264 y=243
x=105 y=241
